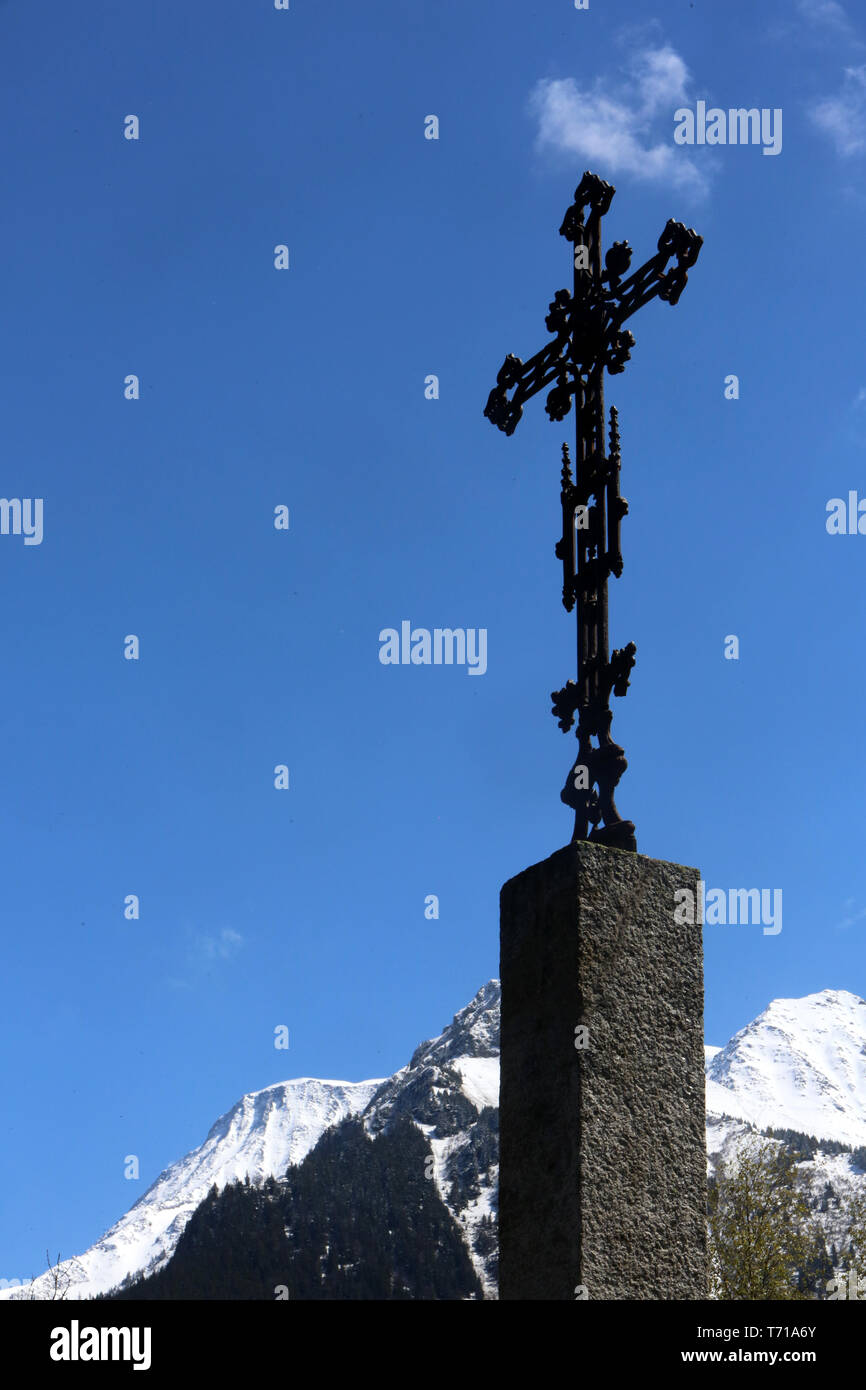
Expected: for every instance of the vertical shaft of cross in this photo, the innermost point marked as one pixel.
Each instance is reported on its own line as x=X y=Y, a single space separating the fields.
x=592 y=625
x=589 y=788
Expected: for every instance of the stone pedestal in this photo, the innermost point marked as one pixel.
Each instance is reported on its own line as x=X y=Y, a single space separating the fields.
x=603 y=1153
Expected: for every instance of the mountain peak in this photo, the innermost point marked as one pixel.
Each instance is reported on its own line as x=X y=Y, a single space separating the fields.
x=801 y=1064
x=473 y=1031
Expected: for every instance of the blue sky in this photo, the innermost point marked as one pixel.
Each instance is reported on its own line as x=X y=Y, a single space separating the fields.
x=305 y=387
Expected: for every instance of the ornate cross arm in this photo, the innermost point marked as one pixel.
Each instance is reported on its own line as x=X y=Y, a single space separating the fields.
x=528 y=378
x=653 y=278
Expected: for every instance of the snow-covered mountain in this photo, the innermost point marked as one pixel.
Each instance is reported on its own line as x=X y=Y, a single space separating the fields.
x=260 y=1136
x=800 y=1065
x=449 y=1088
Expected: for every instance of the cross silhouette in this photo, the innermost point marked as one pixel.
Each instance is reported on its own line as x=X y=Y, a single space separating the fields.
x=588 y=337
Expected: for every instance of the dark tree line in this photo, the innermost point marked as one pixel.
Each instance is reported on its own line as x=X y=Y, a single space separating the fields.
x=357 y=1219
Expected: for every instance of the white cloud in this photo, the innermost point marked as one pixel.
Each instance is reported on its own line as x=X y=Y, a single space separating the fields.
x=843 y=117
x=827 y=13
x=221 y=946
x=202 y=953
x=661 y=77
x=613 y=126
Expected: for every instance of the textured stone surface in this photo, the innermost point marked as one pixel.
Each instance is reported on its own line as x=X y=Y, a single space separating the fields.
x=603 y=1157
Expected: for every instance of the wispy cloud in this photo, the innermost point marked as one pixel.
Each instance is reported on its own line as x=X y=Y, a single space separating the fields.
x=617 y=126
x=203 y=951
x=843 y=117
x=221 y=946
x=854 y=425
x=826 y=14
x=850 y=920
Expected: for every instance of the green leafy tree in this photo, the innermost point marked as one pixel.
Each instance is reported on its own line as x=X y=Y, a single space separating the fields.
x=762 y=1235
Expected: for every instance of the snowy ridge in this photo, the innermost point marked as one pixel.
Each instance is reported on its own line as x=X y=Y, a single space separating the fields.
x=450 y=1089
x=800 y=1065
x=259 y=1137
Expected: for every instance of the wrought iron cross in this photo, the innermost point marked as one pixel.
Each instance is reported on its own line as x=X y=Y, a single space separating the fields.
x=587 y=338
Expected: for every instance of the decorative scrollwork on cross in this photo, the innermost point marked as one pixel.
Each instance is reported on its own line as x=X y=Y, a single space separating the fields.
x=589 y=339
